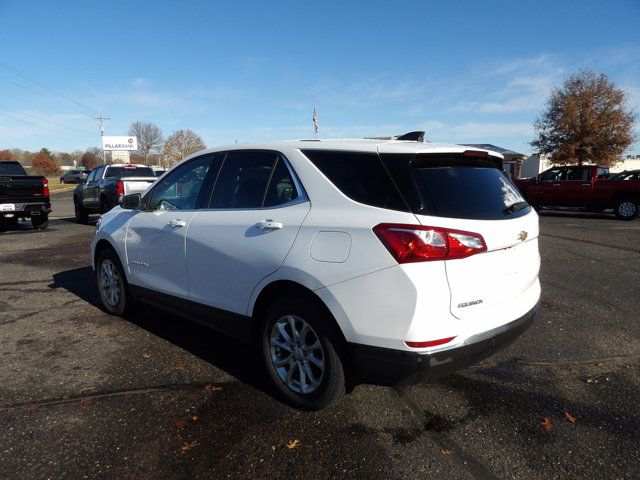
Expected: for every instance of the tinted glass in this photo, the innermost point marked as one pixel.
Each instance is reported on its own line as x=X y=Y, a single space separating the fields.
x=122 y=172
x=603 y=173
x=243 y=180
x=92 y=176
x=360 y=176
x=469 y=192
x=180 y=190
x=555 y=174
x=281 y=187
x=579 y=173
x=10 y=169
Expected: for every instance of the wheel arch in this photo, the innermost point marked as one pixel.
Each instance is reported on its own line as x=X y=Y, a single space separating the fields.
x=102 y=245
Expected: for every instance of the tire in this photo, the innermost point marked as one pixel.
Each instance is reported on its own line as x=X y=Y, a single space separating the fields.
x=40 y=222
x=317 y=377
x=626 y=209
x=81 y=214
x=104 y=205
x=62 y=180
x=112 y=284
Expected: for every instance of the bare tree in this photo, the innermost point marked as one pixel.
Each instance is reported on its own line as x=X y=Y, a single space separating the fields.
x=149 y=139
x=180 y=144
x=586 y=121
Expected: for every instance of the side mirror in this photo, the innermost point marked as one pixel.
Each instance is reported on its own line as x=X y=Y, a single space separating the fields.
x=131 y=202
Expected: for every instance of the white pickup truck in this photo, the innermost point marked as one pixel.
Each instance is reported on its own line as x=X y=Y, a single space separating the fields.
x=106 y=185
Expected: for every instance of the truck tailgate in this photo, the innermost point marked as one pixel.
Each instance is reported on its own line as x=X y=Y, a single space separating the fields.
x=137 y=184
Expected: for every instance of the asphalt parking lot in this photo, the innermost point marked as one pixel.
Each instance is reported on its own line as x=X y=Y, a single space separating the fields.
x=87 y=395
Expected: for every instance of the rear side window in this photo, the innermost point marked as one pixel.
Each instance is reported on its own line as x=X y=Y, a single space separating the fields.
x=468 y=191
x=360 y=176
x=579 y=173
x=122 y=172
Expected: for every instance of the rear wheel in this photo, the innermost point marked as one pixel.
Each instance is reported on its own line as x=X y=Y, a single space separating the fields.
x=40 y=222
x=104 y=205
x=112 y=284
x=81 y=214
x=300 y=349
x=626 y=209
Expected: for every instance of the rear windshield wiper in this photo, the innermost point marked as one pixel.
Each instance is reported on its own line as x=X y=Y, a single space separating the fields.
x=515 y=207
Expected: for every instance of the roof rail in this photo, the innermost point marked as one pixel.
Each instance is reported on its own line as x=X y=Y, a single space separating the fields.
x=417 y=136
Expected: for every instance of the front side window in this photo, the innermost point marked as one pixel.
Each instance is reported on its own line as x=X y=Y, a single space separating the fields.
x=603 y=173
x=92 y=176
x=554 y=175
x=243 y=180
x=182 y=188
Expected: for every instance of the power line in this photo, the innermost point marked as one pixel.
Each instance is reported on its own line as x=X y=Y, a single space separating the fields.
x=44 y=128
x=42 y=85
x=60 y=125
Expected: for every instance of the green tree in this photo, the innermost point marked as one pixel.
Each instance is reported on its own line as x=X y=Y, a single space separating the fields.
x=586 y=120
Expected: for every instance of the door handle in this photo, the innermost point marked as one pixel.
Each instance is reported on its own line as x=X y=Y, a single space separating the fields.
x=269 y=225
x=556 y=185
x=586 y=184
x=177 y=223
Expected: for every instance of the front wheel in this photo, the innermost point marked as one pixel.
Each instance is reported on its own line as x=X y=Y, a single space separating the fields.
x=81 y=214
x=626 y=209
x=300 y=348
x=112 y=284
x=40 y=222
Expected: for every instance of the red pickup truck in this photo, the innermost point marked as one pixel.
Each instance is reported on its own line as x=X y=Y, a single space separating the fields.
x=583 y=186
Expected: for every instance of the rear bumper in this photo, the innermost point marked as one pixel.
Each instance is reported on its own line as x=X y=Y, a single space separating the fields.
x=385 y=366
x=27 y=209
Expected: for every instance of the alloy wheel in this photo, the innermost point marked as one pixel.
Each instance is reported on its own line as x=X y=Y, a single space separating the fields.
x=110 y=282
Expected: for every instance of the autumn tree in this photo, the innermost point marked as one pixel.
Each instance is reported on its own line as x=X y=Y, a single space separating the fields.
x=586 y=120
x=149 y=139
x=6 y=155
x=180 y=144
x=45 y=163
x=89 y=160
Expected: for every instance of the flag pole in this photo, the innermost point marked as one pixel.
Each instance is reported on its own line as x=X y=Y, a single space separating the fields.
x=315 y=120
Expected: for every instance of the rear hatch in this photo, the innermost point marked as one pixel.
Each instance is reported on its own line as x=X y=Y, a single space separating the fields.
x=473 y=194
x=21 y=189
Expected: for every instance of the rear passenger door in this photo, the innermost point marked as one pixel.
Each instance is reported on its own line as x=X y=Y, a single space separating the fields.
x=575 y=191
x=254 y=215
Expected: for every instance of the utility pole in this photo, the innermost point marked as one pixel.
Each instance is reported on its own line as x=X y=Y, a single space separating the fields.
x=101 y=119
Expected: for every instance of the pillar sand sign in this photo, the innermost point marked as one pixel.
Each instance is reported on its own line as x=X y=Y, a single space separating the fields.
x=119 y=143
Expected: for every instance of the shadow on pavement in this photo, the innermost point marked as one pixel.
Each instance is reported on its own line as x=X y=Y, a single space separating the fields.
x=226 y=353
x=576 y=214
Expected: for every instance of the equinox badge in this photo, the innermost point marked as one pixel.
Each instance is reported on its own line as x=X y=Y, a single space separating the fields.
x=523 y=236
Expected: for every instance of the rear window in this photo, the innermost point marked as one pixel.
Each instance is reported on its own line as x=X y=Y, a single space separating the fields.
x=469 y=191
x=121 y=172
x=10 y=169
x=360 y=176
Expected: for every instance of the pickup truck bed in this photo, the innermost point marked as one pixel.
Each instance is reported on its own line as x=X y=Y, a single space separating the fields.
x=23 y=196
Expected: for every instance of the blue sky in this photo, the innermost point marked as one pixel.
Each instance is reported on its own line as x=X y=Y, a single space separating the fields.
x=464 y=71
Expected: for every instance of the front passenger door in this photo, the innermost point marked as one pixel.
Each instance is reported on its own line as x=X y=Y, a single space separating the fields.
x=155 y=241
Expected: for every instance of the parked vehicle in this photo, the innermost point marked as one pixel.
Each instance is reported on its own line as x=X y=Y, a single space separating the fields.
x=74 y=176
x=106 y=185
x=344 y=261
x=582 y=186
x=626 y=175
x=23 y=196
x=158 y=170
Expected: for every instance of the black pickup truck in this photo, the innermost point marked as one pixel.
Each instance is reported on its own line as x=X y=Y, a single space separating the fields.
x=23 y=196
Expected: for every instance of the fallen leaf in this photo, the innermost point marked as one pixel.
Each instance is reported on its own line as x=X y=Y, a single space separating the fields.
x=84 y=401
x=178 y=425
x=546 y=424
x=188 y=446
x=446 y=452
x=589 y=380
x=113 y=333
x=568 y=417
x=293 y=444
x=600 y=364
x=195 y=418
x=31 y=409
x=142 y=477
x=181 y=364
x=146 y=355
x=88 y=389
x=212 y=388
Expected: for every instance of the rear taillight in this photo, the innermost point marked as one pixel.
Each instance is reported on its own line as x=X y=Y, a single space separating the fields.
x=415 y=243
x=45 y=187
x=119 y=188
x=429 y=343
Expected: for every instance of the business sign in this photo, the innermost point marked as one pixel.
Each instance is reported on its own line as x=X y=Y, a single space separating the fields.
x=119 y=143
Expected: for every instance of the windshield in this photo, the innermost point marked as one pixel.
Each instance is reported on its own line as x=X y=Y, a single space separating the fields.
x=10 y=169
x=121 y=172
x=471 y=192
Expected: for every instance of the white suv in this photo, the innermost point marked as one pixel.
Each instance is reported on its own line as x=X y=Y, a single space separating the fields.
x=345 y=261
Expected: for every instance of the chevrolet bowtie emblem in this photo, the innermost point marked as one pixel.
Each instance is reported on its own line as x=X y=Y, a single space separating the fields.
x=523 y=235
